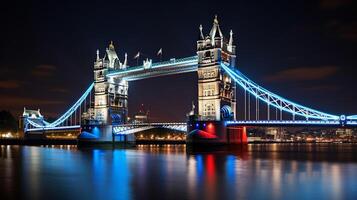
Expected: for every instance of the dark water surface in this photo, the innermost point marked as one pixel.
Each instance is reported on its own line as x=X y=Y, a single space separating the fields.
x=255 y=171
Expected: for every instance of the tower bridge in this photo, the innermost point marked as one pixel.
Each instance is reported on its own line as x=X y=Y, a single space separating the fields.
x=102 y=110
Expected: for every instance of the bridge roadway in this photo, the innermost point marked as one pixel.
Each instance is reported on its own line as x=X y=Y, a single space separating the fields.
x=45 y=128
x=126 y=129
x=294 y=123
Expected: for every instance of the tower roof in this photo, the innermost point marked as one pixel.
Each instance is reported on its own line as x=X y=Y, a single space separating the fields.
x=216 y=31
x=112 y=55
x=111 y=45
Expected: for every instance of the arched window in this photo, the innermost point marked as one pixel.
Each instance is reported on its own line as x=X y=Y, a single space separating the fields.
x=208 y=54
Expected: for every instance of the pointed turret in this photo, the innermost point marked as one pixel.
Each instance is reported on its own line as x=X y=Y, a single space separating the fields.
x=201 y=37
x=112 y=56
x=98 y=55
x=111 y=45
x=216 y=31
x=125 y=61
x=230 y=43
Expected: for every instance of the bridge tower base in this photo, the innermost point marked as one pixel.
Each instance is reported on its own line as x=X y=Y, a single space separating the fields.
x=214 y=133
x=102 y=134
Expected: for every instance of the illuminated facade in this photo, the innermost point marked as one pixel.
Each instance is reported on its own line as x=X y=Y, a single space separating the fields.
x=110 y=94
x=216 y=91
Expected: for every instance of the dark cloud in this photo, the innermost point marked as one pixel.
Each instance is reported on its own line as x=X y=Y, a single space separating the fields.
x=59 y=90
x=14 y=101
x=4 y=70
x=10 y=84
x=303 y=74
x=321 y=88
x=348 y=31
x=333 y=4
x=343 y=30
x=43 y=70
x=17 y=103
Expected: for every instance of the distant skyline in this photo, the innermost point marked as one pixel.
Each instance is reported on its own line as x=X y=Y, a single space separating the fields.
x=302 y=50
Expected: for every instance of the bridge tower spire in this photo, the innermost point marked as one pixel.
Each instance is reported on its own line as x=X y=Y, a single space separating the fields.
x=216 y=90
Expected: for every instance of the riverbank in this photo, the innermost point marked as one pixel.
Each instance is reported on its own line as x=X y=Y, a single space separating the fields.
x=18 y=141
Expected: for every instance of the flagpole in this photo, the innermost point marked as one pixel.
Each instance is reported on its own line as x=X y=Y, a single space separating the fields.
x=137 y=56
x=159 y=53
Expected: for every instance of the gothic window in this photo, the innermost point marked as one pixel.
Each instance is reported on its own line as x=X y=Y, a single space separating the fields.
x=100 y=75
x=208 y=54
x=209 y=110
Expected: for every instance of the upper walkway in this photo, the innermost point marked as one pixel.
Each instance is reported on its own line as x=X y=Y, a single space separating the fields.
x=149 y=70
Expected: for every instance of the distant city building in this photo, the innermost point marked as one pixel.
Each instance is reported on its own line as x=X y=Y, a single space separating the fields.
x=344 y=132
x=141 y=116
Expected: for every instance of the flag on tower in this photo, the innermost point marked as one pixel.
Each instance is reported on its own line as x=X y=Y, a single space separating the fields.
x=137 y=55
x=159 y=52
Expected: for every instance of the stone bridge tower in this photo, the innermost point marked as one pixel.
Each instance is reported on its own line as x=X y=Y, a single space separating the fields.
x=216 y=90
x=110 y=95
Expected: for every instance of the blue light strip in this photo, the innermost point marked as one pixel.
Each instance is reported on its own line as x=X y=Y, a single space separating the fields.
x=276 y=100
x=352 y=117
x=53 y=128
x=34 y=123
x=285 y=122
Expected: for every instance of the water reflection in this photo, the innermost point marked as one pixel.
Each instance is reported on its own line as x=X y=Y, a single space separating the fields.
x=173 y=172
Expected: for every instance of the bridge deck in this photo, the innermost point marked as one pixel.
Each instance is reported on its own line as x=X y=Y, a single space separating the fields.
x=317 y=123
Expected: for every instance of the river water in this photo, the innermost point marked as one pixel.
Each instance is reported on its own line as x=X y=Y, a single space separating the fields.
x=255 y=171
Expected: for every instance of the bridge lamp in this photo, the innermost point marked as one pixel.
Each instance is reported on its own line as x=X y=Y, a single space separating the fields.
x=197 y=125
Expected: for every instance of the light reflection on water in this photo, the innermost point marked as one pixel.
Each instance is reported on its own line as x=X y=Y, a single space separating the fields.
x=265 y=171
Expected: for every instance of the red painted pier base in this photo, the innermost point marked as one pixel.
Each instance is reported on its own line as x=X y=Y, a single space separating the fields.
x=214 y=132
x=237 y=135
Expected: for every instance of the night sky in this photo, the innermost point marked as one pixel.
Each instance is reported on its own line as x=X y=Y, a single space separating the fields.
x=305 y=51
